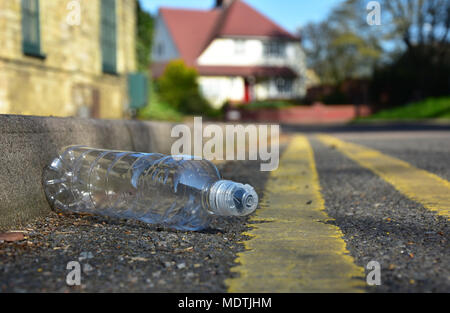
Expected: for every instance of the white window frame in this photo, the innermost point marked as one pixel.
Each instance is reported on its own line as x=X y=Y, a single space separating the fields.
x=275 y=48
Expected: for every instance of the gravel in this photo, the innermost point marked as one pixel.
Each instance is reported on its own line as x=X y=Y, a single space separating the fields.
x=124 y=255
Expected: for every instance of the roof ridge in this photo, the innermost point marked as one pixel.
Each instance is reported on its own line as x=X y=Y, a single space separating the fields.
x=219 y=24
x=265 y=17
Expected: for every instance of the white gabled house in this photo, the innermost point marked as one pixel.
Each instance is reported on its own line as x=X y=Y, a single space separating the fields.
x=240 y=54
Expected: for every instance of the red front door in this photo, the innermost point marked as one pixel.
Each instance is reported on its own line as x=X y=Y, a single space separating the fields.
x=247 y=91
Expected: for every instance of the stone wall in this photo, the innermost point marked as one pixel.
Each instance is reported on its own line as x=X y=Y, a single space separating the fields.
x=69 y=80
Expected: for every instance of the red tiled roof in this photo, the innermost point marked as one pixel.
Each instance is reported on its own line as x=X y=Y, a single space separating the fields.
x=190 y=29
x=193 y=30
x=243 y=20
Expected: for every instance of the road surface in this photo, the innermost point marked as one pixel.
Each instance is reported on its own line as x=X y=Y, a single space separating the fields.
x=341 y=198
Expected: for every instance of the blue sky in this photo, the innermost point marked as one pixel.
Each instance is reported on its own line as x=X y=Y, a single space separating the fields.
x=291 y=14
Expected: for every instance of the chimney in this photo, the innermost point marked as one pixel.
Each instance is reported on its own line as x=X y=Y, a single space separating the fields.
x=223 y=3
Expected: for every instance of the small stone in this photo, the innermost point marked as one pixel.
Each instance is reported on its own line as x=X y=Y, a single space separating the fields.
x=12 y=236
x=190 y=275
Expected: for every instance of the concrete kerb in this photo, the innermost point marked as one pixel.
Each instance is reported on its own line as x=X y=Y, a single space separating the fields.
x=28 y=143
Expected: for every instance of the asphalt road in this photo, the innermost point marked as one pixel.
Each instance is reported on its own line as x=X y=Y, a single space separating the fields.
x=378 y=223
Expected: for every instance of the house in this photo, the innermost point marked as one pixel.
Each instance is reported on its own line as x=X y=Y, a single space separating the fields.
x=240 y=54
x=68 y=58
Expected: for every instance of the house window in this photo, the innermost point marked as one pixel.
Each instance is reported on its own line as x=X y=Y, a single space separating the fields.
x=284 y=85
x=239 y=46
x=108 y=36
x=31 y=41
x=274 y=49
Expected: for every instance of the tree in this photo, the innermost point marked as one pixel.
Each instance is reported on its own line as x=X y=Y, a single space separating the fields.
x=421 y=29
x=144 y=40
x=407 y=55
x=178 y=88
x=417 y=22
x=343 y=46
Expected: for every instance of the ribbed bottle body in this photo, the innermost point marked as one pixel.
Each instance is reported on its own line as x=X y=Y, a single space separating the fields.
x=150 y=187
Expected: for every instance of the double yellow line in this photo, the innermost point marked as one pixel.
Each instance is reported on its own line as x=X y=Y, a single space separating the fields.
x=428 y=189
x=293 y=246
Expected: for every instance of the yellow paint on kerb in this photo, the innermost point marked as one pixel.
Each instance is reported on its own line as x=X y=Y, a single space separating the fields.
x=428 y=189
x=292 y=245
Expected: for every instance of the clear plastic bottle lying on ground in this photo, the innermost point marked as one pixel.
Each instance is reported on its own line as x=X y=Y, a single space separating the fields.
x=178 y=192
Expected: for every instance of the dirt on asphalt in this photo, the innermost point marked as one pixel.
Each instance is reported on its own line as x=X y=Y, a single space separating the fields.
x=124 y=255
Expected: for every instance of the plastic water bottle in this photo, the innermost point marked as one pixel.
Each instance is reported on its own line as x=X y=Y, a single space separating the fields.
x=176 y=191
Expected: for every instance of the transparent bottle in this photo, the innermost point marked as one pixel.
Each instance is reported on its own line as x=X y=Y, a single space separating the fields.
x=176 y=191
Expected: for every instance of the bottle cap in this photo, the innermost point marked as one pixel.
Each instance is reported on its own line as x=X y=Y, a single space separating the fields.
x=228 y=198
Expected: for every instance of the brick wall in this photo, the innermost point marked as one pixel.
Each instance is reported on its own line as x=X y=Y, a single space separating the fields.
x=315 y=114
x=69 y=81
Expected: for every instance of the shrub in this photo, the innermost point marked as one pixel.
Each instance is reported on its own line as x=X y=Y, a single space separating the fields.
x=178 y=87
x=157 y=110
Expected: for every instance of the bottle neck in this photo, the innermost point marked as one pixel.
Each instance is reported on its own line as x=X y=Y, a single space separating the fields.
x=228 y=198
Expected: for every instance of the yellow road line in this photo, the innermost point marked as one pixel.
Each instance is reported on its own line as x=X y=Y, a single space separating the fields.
x=428 y=189
x=293 y=248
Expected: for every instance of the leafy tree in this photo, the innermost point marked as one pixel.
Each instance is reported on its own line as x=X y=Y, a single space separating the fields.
x=144 y=40
x=407 y=56
x=416 y=22
x=420 y=28
x=178 y=87
x=343 y=46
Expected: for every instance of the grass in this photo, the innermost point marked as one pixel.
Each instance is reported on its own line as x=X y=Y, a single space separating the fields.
x=426 y=109
x=160 y=111
x=157 y=110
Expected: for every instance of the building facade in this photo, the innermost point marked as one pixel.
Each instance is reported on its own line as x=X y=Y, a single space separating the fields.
x=240 y=54
x=67 y=57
